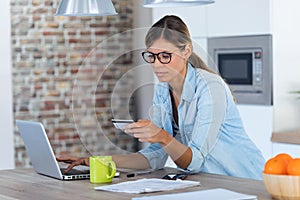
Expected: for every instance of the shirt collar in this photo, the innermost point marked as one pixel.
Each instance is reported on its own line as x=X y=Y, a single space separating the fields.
x=189 y=85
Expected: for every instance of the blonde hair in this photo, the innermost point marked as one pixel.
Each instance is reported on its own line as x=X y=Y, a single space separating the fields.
x=175 y=31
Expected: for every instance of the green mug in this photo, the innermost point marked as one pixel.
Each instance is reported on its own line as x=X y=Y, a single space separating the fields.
x=102 y=169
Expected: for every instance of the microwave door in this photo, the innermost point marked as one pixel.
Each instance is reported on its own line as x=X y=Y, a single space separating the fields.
x=236 y=69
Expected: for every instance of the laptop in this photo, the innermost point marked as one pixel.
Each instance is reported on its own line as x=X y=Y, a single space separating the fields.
x=41 y=154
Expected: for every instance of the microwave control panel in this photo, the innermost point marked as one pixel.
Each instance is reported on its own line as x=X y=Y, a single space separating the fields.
x=257 y=67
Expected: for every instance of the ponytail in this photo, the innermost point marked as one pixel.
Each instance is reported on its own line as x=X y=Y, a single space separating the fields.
x=197 y=62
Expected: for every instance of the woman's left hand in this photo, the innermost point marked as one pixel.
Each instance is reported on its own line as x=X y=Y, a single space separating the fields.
x=146 y=131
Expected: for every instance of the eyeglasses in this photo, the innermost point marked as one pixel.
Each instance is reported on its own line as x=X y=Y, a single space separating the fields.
x=163 y=57
x=175 y=176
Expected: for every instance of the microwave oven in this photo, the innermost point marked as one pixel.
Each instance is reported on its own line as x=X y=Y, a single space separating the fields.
x=245 y=63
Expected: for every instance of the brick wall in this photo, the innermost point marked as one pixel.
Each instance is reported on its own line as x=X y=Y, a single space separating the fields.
x=65 y=70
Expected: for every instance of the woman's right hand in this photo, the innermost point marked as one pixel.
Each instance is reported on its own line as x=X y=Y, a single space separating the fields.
x=75 y=161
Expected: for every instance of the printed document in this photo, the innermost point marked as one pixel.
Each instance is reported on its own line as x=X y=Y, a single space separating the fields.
x=211 y=194
x=148 y=185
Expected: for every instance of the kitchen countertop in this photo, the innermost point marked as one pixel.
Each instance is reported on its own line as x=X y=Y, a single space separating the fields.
x=292 y=137
x=26 y=184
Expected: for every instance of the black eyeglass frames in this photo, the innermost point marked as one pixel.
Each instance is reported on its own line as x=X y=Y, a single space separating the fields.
x=163 y=57
x=175 y=176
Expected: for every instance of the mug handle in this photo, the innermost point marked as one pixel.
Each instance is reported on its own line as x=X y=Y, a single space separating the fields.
x=112 y=165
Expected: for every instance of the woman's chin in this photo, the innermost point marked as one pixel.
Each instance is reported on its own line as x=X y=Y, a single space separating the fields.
x=162 y=79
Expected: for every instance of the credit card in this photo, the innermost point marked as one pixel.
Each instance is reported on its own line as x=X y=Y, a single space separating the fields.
x=121 y=123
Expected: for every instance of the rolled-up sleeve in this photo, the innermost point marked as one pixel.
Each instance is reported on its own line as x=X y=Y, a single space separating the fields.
x=156 y=155
x=211 y=109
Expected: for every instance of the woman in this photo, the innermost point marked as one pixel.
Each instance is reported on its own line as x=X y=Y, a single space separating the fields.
x=195 y=120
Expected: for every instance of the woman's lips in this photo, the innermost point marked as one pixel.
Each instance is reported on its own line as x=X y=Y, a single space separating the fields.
x=160 y=73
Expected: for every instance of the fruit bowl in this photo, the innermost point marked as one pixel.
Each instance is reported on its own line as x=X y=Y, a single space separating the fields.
x=283 y=187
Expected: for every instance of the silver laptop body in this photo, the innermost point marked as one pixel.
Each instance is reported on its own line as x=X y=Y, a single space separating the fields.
x=41 y=154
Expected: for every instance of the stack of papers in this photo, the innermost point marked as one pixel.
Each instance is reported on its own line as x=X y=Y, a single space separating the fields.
x=148 y=185
x=212 y=194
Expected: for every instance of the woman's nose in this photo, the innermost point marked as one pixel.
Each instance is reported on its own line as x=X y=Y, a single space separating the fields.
x=157 y=63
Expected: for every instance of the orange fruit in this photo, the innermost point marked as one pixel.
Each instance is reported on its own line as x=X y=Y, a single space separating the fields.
x=275 y=166
x=286 y=157
x=293 y=167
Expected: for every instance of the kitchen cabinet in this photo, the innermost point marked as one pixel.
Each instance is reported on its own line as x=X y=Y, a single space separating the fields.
x=231 y=17
x=194 y=17
x=258 y=125
x=200 y=48
x=224 y=18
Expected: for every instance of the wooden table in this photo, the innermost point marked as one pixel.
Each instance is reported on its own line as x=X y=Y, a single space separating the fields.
x=26 y=184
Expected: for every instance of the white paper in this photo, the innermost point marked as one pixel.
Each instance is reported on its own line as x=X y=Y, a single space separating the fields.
x=212 y=194
x=148 y=185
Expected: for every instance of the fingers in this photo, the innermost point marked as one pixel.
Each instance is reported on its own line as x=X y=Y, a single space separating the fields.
x=147 y=135
x=143 y=120
x=144 y=131
x=135 y=130
x=80 y=161
x=138 y=127
x=75 y=162
x=87 y=162
x=138 y=124
x=67 y=159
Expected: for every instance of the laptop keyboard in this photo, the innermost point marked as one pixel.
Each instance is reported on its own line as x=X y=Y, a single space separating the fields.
x=74 y=172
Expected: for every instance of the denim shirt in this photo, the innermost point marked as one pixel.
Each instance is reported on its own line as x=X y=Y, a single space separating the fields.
x=209 y=123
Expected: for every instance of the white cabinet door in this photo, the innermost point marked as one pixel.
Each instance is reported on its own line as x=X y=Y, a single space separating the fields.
x=200 y=47
x=194 y=17
x=232 y=17
x=258 y=122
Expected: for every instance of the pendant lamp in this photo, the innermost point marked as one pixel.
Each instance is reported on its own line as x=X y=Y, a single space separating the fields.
x=175 y=3
x=85 y=8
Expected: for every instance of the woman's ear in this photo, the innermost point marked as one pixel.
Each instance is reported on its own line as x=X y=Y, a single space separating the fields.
x=188 y=51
